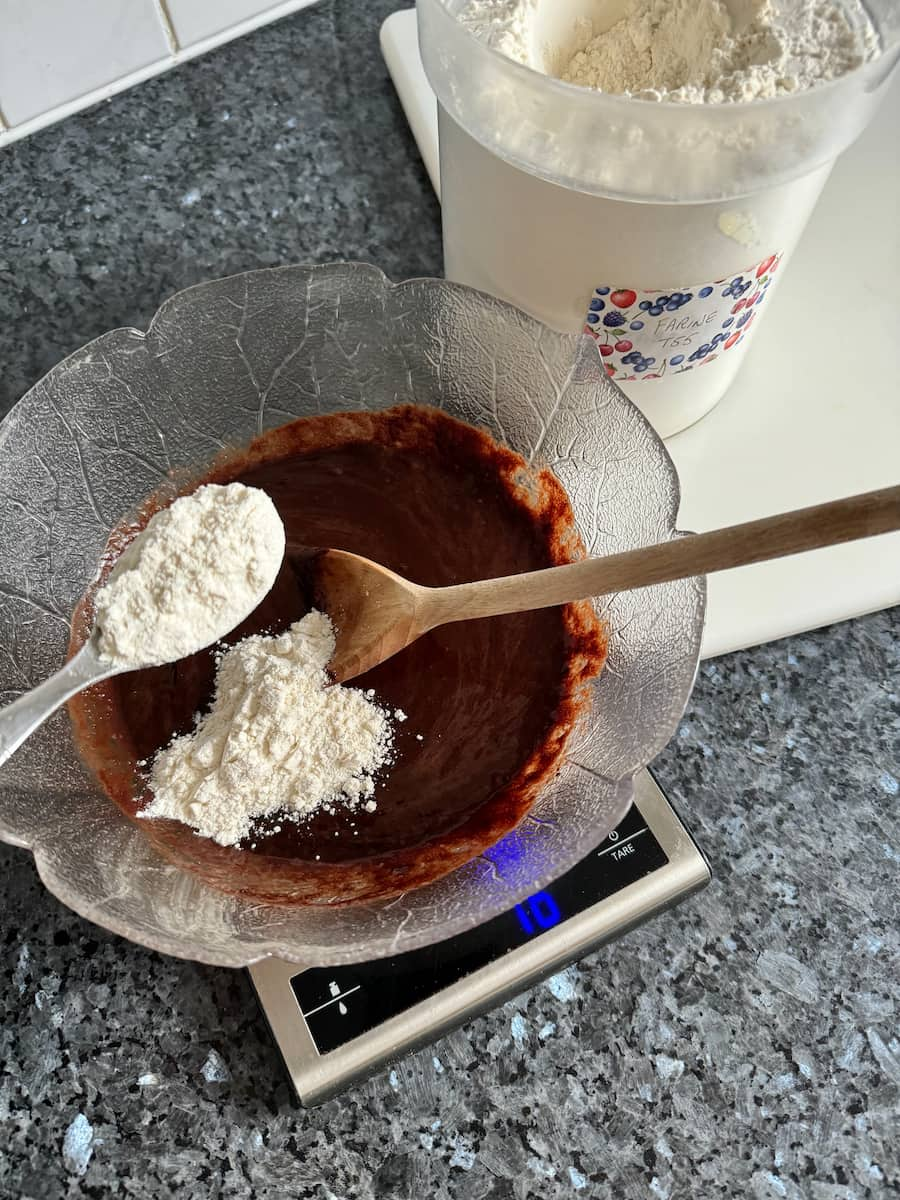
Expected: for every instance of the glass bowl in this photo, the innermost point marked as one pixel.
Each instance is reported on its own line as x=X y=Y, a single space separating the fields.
x=220 y=363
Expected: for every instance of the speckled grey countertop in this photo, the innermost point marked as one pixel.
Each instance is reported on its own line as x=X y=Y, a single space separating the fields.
x=745 y=1044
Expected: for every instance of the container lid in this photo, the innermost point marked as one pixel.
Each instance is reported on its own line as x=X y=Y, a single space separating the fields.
x=642 y=150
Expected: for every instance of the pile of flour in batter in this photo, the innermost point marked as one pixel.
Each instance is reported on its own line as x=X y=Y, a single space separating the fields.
x=693 y=51
x=277 y=739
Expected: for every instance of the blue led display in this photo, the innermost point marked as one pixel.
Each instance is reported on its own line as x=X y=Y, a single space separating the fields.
x=538 y=912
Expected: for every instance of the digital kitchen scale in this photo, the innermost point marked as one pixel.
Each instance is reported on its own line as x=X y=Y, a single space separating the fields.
x=337 y=1025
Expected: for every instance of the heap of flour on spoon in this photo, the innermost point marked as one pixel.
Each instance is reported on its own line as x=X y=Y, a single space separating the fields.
x=198 y=569
x=277 y=738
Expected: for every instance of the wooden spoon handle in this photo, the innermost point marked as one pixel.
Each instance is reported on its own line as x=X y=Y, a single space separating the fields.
x=699 y=554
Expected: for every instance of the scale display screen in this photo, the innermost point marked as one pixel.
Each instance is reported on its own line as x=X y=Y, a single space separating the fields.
x=341 y=1003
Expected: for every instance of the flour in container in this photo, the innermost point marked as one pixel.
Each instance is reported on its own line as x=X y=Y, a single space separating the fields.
x=688 y=51
x=696 y=51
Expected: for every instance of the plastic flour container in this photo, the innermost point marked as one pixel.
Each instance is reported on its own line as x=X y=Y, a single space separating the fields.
x=659 y=229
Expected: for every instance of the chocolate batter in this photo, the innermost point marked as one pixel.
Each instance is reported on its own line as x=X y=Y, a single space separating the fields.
x=493 y=700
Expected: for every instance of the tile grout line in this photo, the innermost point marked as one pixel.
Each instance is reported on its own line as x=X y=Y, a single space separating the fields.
x=10 y=133
x=162 y=9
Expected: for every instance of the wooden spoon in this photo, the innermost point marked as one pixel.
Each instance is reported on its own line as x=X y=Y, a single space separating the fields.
x=377 y=613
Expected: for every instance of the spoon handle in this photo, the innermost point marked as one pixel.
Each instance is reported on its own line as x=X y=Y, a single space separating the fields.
x=682 y=558
x=20 y=719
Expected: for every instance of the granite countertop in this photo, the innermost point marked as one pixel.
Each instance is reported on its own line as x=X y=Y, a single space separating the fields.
x=744 y=1044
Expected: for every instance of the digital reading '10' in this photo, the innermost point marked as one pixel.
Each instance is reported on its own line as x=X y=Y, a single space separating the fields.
x=538 y=912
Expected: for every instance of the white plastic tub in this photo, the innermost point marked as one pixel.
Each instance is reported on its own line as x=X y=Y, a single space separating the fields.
x=660 y=229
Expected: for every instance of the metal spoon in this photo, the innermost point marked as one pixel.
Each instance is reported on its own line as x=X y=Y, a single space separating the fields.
x=21 y=718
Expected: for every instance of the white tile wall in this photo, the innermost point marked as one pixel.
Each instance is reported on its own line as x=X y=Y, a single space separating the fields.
x=54 y=51
x=194 y=20
x=59 y=56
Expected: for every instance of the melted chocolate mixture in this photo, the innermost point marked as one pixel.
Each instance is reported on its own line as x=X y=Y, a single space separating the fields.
x=492 y=700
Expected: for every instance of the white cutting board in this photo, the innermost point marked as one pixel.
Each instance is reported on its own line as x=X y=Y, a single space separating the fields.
x=815 y=412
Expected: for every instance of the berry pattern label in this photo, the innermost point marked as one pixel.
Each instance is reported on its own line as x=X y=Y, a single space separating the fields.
x=650 y=334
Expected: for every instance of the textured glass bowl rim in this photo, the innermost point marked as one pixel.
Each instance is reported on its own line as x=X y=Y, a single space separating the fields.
x=247 y=953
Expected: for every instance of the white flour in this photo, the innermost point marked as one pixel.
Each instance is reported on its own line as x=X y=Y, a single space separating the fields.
x=503 y=24
x=198 y=569
x=693 y=51
x=277 y=739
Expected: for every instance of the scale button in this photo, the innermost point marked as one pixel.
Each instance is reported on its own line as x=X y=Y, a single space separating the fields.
x=334 y=1004
x=335 y=990
x=318 y=990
